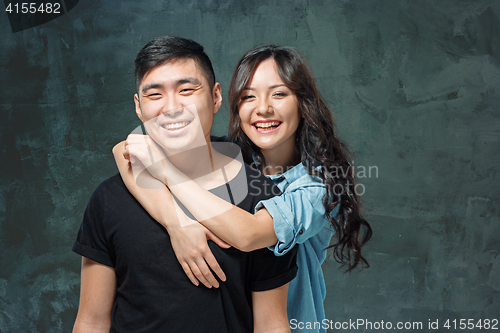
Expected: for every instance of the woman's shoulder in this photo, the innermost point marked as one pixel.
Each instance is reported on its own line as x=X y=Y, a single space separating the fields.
x=299 y=178
x=304 y=187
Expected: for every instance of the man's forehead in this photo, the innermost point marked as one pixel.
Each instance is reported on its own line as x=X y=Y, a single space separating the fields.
x=174 y=70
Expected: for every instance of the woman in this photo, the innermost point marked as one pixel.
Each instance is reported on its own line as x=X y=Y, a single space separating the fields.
x=282 y=123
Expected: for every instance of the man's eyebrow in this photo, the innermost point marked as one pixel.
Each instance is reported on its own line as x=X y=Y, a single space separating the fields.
x=188 y=79
x=151 y=86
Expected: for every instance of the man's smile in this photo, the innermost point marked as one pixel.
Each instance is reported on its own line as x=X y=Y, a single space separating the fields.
x=175 y=126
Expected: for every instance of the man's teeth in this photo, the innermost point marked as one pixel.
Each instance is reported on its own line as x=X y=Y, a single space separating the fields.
x=176 y=126
x=267 y=125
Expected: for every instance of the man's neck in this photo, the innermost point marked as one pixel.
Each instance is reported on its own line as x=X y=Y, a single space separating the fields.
x=194 y=162
x=206 y=166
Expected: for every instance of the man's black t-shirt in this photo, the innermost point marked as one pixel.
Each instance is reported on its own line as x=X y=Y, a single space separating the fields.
x=153 y=293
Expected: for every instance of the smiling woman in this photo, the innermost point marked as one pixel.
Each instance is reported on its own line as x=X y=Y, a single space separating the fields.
x=269 y=115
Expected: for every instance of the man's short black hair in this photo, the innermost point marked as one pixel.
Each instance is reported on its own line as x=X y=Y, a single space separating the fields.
x=165 y=48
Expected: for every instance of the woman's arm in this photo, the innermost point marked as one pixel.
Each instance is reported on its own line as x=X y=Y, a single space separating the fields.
x=189 y=242
x=241 y=229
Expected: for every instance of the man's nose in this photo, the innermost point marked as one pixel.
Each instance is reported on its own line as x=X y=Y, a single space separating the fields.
x=172 y=107
x=174 y=113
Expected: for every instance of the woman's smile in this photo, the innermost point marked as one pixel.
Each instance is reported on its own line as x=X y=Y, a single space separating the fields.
x=266 y=126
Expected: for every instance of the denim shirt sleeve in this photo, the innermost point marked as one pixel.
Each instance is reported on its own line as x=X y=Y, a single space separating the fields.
x=298 y=215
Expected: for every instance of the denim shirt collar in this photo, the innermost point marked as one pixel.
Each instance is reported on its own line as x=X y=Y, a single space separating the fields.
x=290 y=175
x=282 y=180
x=285 y=179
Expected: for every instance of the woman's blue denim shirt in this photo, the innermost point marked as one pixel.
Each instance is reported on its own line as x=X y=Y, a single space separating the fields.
x=299 y=220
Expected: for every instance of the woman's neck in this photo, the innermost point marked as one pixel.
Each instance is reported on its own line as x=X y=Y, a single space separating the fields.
x=278 y=162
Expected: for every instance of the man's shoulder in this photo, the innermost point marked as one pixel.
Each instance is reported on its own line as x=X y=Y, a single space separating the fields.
x=254 y=173
x=223 y=138
x=259 y=186
x=113 y=181
x=111 y=184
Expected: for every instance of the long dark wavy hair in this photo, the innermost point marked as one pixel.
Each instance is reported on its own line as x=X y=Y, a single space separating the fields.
x=316 y=144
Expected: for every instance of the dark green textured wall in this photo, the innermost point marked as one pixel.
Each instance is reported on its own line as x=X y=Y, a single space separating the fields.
x=415 y=89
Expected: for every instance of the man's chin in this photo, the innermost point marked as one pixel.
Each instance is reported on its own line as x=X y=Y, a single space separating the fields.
x=174 y=146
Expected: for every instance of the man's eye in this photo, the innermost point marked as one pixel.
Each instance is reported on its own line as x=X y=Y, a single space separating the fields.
x=154 y=95
x=186 y=90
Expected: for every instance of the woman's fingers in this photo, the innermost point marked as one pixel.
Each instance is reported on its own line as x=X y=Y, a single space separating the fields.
x=200 y=272
x=198 y=269
x=189 y=273
x=193 y=252
x=144 y=149
x=140 y=152
x=210 y=259
x=194 y=274
x=138 y=145
x=214 y=265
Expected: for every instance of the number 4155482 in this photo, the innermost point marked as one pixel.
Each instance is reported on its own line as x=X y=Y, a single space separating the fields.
x=32 y=8
x=470 y=324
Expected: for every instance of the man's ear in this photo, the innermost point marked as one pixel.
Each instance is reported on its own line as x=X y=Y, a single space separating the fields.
x=138 y=107
x=217 y=96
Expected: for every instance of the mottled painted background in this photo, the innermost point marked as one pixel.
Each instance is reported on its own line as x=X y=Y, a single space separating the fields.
x=415 y=89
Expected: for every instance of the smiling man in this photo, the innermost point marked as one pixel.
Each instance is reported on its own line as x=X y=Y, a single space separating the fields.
x=131 y=280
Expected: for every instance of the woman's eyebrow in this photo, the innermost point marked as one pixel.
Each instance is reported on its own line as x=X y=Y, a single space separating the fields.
x=269 y=88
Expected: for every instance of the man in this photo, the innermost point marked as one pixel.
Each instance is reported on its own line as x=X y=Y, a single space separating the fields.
x=131 y=279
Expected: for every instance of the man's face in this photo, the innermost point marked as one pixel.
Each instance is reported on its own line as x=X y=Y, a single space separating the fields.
x=176 y=105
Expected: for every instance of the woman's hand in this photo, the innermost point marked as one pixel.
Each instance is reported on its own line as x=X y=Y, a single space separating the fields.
x=141 y=148
x=193 y=253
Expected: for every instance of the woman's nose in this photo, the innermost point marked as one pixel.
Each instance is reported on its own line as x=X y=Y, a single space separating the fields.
x=264 y=107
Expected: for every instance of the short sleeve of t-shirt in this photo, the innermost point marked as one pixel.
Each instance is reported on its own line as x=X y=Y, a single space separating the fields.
x=91 y=239
x=269 y=271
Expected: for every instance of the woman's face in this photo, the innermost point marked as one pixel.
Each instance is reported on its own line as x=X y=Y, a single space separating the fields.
x=269 y=112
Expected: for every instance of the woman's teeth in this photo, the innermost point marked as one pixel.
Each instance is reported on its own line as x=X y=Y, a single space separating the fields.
x=267 y=125
x=175 y=126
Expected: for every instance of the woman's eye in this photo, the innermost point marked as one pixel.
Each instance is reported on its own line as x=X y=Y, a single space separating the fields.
x=246 y=97
x=280 y=94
